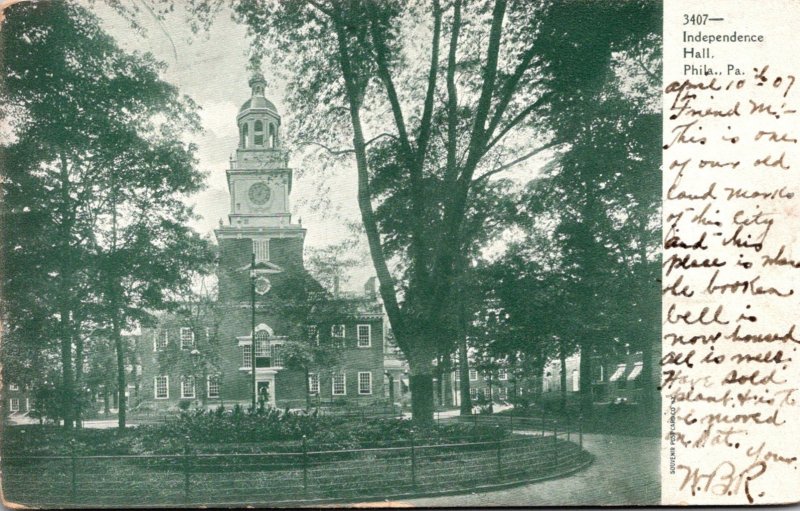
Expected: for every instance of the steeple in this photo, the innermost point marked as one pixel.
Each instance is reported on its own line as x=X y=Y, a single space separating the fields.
x=258 y=119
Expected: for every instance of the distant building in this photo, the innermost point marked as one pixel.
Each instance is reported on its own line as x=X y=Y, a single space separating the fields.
x=261 y=247
x=614 y=379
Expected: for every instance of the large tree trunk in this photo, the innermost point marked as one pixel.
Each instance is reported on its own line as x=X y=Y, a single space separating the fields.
x=585 y=377
x=308 y=389
x=65 y=297
x=106 y=407
x=421 y=383
x=79 y=379
x=119 y=345
x=562 y=356
x=447 y=386
x=463 y=377
x=67 y=381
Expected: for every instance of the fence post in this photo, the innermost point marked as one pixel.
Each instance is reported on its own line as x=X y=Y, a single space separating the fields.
x=511 y=420
x=474 y=421
x=74 y=480
x=305 y=466
x=413 y=462
x=580 y=430
x=186 y=475
x=499 y=446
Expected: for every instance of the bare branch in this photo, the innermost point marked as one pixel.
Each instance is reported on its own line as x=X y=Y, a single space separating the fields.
x=477 y=138
x=647 y=71
x=320 y=8
x=516 y=161
x=518 y=119
x=386 y=77
x=509 y=88
x=339 y=152
x=452 y=96
x=427 y=113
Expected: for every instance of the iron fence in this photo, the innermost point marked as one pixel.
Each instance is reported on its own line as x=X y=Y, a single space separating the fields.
x=376 y=471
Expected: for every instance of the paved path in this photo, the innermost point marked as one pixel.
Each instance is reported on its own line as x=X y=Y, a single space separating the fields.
x=625 y=472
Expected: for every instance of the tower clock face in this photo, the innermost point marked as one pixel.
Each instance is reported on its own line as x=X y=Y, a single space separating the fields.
x=259 y=193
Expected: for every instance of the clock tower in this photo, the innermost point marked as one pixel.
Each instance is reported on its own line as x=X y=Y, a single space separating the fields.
x=259 y=186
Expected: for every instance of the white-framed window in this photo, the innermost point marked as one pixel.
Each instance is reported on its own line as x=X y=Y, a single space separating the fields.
x=261 y=250
x=160 y=340
x=473 y=375
x=212 y=386
x=313 y=383
x=247 y=359
x=364 y=333
x=337 y=335
x=187 y=338
x=473 y=393
x=365 y=383
x=13 y=386
x=13 y=404
x=277 y=356
x=161 y=384
x=339 y=384
x=313 y=334
x=487 y=392
x=502 y=374
x=187 y=387
x=502 y=393
x=262 y=347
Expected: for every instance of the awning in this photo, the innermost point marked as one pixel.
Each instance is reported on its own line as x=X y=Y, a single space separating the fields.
x=618 y=373
x=637 y=370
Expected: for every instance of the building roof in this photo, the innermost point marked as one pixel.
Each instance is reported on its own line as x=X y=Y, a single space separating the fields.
x=259 y=103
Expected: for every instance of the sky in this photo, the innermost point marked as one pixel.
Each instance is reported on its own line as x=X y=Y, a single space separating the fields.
x=211 y=68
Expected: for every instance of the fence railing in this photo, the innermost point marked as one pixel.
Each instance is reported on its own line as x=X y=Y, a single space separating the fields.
x=304 y=475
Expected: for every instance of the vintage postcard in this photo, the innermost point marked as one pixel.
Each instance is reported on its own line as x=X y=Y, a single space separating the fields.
x=437 y=253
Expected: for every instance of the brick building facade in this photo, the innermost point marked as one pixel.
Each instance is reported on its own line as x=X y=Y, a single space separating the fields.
x=209 y=358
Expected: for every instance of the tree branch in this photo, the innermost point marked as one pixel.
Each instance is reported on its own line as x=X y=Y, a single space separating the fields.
x=509 y=88
x=387 y=288
x=518 y=119
x=427 y=113
x=349 y=150
x=386 y=77
x=452 y=97
x=516 y=161
x=477 y=138
x=649 y=73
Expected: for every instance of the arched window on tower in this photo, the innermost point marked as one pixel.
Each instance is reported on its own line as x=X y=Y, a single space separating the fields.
x=243 y=134
x=258 y=134
x=271 y=135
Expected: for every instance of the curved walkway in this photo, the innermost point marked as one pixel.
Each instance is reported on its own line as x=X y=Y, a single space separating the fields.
x=625 y=472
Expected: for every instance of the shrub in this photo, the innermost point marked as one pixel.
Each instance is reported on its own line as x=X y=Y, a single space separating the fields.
x=218 y=431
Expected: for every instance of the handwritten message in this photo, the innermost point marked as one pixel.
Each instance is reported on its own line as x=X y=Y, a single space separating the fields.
x=731 y=273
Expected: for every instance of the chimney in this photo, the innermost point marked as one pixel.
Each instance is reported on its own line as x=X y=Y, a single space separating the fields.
x=336 y=286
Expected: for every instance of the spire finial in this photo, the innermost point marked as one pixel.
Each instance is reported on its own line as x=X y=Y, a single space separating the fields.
x=257 y=84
